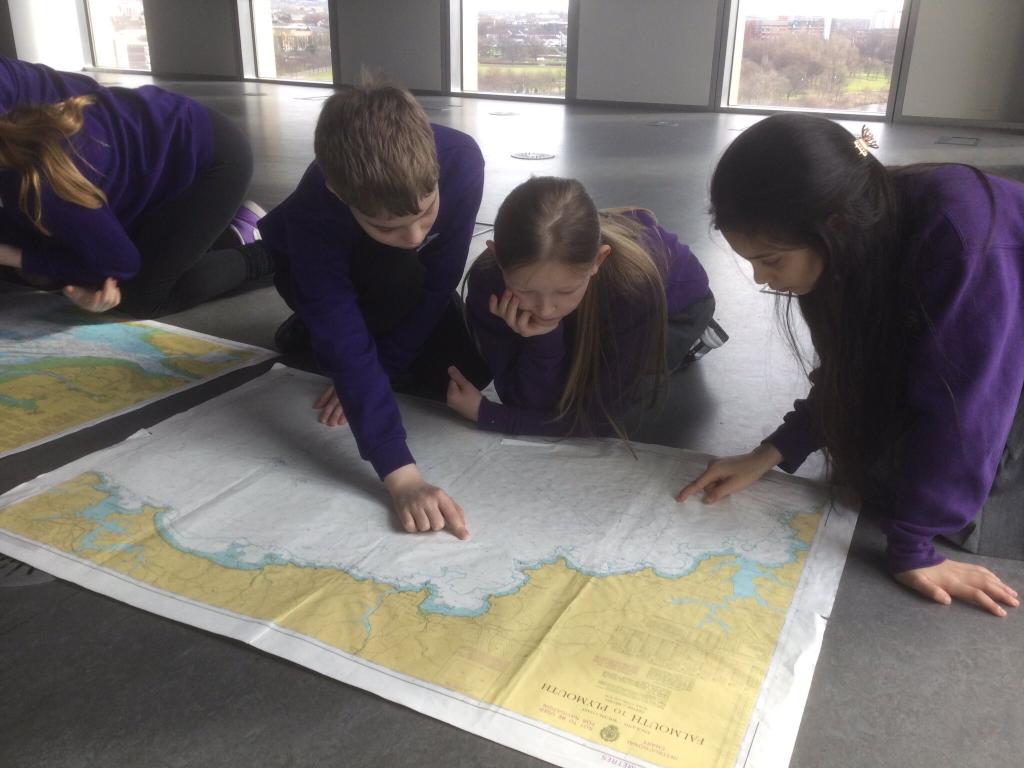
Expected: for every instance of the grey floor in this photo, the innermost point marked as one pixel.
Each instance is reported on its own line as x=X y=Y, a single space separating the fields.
x=900 y=681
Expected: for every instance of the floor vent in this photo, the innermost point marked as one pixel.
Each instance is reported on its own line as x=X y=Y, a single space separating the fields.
x=963 y=141
x=532 y=156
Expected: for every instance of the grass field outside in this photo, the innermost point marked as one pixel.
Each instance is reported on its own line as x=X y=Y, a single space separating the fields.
x=533 y=79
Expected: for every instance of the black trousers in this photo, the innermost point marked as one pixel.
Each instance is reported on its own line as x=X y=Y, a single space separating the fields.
x=388 y=288
x=998 y=530
x=174 y=238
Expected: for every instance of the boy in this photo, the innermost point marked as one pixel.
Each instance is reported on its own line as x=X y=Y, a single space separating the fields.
x=370 y=248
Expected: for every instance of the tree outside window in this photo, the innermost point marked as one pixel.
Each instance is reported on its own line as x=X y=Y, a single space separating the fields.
x=293 y=40
x=835 y=55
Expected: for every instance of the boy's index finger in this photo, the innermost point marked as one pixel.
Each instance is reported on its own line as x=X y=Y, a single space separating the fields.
x=687 y=491
x=454 y=517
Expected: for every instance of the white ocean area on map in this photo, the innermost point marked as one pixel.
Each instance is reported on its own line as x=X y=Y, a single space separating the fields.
x=260 y=482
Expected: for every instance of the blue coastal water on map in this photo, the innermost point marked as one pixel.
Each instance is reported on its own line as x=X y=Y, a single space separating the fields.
x=451 y=590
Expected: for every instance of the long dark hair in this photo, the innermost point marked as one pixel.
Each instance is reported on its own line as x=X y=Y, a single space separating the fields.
x=800 y=181
x=554 y=219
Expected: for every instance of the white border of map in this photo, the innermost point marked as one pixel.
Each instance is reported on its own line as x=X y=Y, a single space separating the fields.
x=775 y=721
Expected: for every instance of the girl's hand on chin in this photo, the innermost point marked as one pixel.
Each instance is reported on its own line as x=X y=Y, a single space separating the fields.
x=522 y=321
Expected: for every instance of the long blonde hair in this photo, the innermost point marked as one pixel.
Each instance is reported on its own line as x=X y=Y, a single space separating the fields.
x=34 y=144
x=554 y=219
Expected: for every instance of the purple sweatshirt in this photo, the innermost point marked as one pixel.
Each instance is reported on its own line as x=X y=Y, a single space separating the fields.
x=141 y=146
x=319 y=236
x=530 y=373
x=973 y=293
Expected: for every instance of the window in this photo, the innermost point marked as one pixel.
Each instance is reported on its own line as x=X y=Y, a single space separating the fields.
x=119 y=36
x=834 y=55
x=515 y=46
x=293 y=39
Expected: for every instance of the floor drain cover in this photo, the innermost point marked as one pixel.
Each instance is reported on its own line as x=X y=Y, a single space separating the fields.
x=665 y=123
x=532 y=156
x=14 y=573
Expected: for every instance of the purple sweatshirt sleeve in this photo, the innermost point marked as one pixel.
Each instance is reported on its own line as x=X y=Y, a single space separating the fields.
x=530 y=373
x=967 y=377
x=343 y=346
x=444 y=259
x=798 y=436
x=87 y=245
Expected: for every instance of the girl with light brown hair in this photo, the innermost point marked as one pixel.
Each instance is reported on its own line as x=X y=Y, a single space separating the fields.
x=582 y=315
x=117 y=195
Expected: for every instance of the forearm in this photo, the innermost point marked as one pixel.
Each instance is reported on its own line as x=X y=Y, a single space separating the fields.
x=10 y=256
x=401 y=478
x=513 y=420
x=532 y=371
x=768 y=456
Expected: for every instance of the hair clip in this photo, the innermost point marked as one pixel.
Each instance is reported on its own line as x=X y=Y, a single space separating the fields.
x=866 y=139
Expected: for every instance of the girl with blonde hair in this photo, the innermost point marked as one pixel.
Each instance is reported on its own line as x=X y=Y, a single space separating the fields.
x=118 y=194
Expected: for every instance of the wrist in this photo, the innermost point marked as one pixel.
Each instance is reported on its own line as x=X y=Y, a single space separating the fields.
x=10 y=256
x=402 y=478
x=768 y=455
x=474 y=415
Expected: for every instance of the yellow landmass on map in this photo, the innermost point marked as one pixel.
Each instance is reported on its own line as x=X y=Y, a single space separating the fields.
x=667 y=670
x=184 y=351
x=38 y=401
x=65 y=396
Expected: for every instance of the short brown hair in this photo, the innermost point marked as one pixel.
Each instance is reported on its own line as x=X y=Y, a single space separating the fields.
x=375 y=147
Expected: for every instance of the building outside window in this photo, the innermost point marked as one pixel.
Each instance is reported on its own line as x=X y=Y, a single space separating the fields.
x=515 y=46
x=119 y=37
x=832 y=55
x=293 y=40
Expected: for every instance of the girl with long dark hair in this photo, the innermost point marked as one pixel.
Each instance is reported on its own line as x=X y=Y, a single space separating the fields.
x=911 y=281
